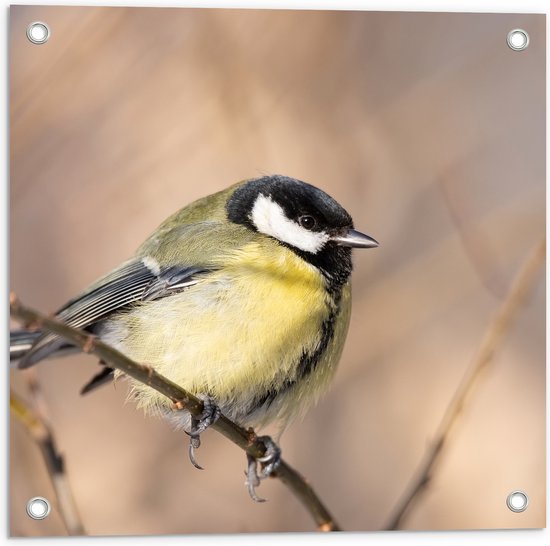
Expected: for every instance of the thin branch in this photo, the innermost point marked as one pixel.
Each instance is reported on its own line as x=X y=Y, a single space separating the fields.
x=245 y=439
x=494 y=337
x=42 y=434
x=475 y=244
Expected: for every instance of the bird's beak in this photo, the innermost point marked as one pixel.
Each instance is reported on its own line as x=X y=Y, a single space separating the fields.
x=354 y=239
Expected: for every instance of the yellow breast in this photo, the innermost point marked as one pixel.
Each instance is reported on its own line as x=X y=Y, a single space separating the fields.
x=240 y=331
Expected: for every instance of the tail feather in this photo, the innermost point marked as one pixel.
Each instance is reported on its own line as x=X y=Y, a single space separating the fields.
x=105 y=376
x=21 y=342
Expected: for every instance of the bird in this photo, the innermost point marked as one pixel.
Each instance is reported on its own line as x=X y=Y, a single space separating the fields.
x=242 y=297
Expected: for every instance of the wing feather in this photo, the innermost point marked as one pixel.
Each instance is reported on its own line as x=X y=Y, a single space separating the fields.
x=132 y=282
x=142 y=279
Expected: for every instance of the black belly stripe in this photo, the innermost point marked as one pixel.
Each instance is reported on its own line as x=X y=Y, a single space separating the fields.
x=308 y=361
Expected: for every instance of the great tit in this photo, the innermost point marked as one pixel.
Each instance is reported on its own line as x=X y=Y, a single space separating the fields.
x=242 y=297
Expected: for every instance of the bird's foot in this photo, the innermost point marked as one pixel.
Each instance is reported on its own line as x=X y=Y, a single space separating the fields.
x=269 y=461
x=199 y=423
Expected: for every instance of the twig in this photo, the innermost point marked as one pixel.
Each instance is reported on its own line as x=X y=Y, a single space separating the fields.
x=494 y=336
x=245 y=439
x=474 y=241
x=43 y=436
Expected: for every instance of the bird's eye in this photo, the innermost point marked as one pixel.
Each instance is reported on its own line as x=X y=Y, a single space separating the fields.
x=307 y=221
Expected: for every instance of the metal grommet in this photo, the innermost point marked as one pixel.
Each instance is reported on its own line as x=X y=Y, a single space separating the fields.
x=38 y=32
x=38 y=508
x=517 y=39
x=517 y=501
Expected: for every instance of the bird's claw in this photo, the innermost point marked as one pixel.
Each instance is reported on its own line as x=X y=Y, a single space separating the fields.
x=199 y=423
x=194 y=443
x=269 y=461
x=272 y=458
x=252 y=478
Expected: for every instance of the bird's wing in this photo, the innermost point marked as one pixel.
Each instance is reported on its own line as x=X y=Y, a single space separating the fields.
x=190 y=252
x=136 y=280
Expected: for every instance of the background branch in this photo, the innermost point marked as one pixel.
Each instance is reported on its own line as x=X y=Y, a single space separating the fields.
x=494 y=337
x=245 y=439
x=474 y=240
x=42 y=434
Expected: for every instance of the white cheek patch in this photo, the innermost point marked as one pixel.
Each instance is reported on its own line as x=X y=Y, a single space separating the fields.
x=270 y=219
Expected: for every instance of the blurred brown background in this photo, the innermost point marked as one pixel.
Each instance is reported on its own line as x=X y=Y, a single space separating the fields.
x=426 y=127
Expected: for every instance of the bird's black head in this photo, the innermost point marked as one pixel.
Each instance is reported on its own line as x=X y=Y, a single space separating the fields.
x=302 y=218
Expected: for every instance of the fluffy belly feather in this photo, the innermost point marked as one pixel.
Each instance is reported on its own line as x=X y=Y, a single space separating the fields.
x=237 y=334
